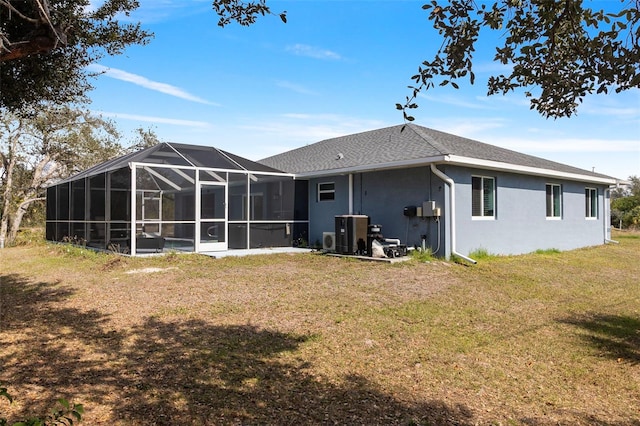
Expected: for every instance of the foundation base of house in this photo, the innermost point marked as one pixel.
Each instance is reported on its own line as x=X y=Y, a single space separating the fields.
x=373 y=259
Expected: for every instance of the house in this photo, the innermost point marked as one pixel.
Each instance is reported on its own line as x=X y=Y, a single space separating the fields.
x=426 y=188
x=451 y=194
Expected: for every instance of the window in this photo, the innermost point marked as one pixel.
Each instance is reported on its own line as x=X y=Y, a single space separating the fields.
x=554 y=201
x=326 y=191
x=591 y=203
x=483 y=196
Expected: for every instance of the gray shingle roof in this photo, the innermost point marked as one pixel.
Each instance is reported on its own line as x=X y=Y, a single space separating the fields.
x=402 y=143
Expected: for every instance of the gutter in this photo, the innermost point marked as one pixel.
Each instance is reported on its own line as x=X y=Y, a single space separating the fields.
x=527 y=170
x=452 y=208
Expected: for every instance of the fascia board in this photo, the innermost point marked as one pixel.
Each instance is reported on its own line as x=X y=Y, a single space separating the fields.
x=528 y=170
x=461 y=161
x=371 y=167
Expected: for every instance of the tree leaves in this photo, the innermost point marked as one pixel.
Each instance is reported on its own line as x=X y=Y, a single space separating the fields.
x=242 y=12
x=55 y=71
x=554 y=49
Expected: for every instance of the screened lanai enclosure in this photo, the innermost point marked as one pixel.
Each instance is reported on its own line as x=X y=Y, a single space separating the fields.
x=177 y=197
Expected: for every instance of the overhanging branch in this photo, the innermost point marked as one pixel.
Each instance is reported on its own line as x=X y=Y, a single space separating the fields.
x=45 y=37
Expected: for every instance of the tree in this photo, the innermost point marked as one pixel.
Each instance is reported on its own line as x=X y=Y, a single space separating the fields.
x=558 y=52
x=45 y=46
x=625 y=204
x=45 y=145
x=143 y=139
x=626 y=189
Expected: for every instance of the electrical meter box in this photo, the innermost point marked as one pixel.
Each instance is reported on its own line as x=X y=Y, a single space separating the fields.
x=429 y=209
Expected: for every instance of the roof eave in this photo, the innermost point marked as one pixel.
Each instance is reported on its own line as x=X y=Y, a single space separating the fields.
x=528 y=170
x=461 y=161
x=371 y=167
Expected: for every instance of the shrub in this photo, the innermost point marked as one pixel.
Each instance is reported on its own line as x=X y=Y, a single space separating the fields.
x=63 y=415
x=547 y=251
x=625 y=212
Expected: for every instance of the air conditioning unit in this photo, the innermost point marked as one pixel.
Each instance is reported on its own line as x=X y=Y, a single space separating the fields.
x=329 y=241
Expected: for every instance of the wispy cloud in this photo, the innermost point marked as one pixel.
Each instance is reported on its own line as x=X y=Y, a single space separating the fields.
x=313 y=52
x=157 y=120
x=469 y=127
x=295 y=87
x=498 y=131
x=566 y=144
x=163 y=10
x=455 y=101
x=492 y=67
x=142 y=81
x=284 y=132
x=630 y=110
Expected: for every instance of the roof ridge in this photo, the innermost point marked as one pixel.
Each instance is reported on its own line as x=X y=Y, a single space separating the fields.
x=419 y=130
x=224 y=154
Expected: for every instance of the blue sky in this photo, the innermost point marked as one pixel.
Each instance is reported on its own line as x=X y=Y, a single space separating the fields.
x=336 y=67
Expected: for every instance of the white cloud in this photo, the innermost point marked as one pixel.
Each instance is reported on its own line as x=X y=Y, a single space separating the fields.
x=289 y=131
x=152 y=119
x=455 y=101
x=567 y=145
x=148 y=84
x=163 y=10
x=614 y=111
x=313 y=52
x=472 y=127
x=295 y=87
x=492 y=67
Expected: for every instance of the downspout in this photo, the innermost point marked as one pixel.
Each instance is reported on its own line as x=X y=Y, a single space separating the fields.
x=607 y=215
x=452 y=210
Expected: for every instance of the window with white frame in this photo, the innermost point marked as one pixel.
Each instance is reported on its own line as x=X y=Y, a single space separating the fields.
x=554 y=201
x=591 y=203
x=483 y=197
x=326 y=191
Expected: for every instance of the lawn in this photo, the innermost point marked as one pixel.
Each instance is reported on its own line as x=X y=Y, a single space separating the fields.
x=540 y=339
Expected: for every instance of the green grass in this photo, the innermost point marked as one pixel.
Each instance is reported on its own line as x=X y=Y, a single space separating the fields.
x=544 y=338
x=550 y=251
x=627 y=236
x=481 y=254
x=422 y=256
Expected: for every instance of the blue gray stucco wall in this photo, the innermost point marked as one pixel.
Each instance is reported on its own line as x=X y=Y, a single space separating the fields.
x=520 y=225
x=322 y=213
x=383 y=195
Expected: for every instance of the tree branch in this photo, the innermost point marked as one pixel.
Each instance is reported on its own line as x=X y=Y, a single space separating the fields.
x=41 y=40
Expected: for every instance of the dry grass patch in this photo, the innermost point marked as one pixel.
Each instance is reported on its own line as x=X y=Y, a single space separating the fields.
x=549 y=338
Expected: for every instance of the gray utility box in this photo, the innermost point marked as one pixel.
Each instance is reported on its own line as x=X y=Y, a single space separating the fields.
x=351 y=234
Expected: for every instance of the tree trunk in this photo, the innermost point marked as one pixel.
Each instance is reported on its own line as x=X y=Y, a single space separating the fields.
x=38 y=180
x=17 y=218
x=10 y=162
